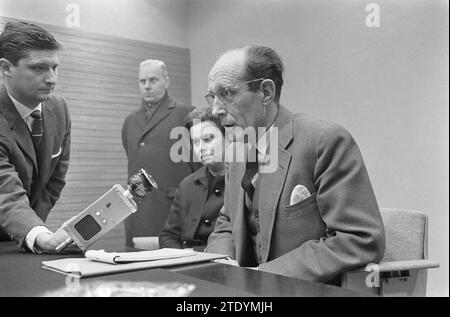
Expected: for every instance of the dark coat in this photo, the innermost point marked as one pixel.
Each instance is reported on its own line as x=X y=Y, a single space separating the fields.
x=193 y=212
x=337 y=229
x=28 y=192
x=147 y=145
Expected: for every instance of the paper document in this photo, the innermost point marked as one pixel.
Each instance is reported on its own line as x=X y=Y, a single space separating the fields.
x=139 y=256
x=83 y=267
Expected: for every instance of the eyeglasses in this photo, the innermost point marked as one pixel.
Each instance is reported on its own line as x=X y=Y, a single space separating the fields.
x=226 y=95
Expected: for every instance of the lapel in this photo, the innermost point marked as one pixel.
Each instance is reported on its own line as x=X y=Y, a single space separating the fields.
x=140 y=117
x=199 y=201
x=18 y=126
x=272 y=183
x=163 y=111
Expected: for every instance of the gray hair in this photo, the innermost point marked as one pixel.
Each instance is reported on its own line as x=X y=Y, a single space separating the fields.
x=156 y=62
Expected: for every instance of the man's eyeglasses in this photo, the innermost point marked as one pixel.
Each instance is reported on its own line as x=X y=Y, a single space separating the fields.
x=226 y=95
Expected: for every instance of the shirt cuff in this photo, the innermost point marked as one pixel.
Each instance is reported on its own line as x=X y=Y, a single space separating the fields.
x=32 y=235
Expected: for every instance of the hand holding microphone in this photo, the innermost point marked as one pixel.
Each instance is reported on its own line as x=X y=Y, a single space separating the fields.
x=54 y=242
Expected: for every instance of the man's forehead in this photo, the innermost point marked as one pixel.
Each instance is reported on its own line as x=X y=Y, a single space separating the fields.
x=151 y=69
x=227 y=69
x=41 y=56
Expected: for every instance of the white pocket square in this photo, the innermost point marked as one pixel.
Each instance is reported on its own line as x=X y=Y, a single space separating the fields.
x=299 y=193
x=57 y=154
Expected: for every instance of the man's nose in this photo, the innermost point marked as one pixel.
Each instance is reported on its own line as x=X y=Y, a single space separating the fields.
x=51 y=77
x=218 y=110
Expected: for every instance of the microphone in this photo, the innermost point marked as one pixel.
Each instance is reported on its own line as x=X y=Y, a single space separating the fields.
x=107 y=211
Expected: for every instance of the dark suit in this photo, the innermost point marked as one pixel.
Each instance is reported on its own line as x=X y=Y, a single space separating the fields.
x=336 y=229
x=194 y=211
x=148 y=145
x=27 y=191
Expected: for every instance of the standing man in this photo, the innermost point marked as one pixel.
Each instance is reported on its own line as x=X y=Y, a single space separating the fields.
x=147 y=143
x=34 y=137
x=315 y=215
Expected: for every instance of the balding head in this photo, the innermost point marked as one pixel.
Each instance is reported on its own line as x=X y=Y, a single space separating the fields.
x=236 y=99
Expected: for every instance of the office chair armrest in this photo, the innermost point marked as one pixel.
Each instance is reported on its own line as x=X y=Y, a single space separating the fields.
x=399 y=266
x=408 y=265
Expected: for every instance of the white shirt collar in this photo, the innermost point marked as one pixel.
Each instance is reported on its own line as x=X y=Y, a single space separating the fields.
x=263 y=142
x=23 y=110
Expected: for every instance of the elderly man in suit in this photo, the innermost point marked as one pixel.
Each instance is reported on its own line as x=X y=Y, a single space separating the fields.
x=34 y=137
x=314 y=215
x=147 y=143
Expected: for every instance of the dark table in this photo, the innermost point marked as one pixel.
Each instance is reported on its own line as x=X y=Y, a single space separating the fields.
x=21 y=275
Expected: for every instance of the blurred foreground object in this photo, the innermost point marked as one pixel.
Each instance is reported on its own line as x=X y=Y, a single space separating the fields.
x=124 y=289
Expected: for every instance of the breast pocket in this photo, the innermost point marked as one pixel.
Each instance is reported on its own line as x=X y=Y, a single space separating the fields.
x=301 y=208
x=300 y=222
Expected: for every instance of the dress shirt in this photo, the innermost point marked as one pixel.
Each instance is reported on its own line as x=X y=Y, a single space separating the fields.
x=25 y=112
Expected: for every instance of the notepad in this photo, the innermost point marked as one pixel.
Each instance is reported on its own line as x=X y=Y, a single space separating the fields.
x=83 y=267
x=139 y=256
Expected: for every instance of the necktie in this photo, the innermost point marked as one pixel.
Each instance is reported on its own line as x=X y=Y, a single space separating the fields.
x=251 y=168
x=37 y=131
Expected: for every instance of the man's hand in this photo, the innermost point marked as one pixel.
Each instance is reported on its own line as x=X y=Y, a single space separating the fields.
x=53 y=243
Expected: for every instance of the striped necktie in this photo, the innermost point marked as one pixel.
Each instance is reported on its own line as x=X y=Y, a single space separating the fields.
x=37 y=131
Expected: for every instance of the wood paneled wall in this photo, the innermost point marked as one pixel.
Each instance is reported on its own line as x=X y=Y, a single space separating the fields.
x=98 y=79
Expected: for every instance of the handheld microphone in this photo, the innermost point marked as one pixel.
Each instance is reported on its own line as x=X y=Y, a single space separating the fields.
x=107 y=211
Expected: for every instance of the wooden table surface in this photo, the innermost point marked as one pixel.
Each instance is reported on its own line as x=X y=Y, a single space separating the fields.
x=21 y=274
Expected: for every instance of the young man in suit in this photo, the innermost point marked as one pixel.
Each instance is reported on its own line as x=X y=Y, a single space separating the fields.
x=147 y=143
x=314 y=215
x=34 y=137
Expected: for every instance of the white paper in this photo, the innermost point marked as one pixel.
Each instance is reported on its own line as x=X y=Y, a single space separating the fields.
x=139 y=256
x=82 y=267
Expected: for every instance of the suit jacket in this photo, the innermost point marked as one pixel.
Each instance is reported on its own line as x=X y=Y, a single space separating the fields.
x=193 y=213
x=27 y=191
x=336 y=229
x=147 y=145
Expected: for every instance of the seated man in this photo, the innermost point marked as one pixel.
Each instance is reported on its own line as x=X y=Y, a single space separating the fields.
x=313 y=214
x=199 y=197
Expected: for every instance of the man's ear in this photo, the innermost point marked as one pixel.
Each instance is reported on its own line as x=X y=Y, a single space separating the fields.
x=167 y=82
x=5 y=67
x=268 y=89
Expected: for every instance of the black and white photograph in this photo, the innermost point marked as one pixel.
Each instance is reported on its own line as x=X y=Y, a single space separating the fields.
x=224 y=152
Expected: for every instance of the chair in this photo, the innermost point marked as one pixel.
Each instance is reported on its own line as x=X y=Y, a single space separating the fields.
x=146 y=243
x=403 y=269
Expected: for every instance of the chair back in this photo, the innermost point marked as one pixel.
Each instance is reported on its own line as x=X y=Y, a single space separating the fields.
x=406 y=234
